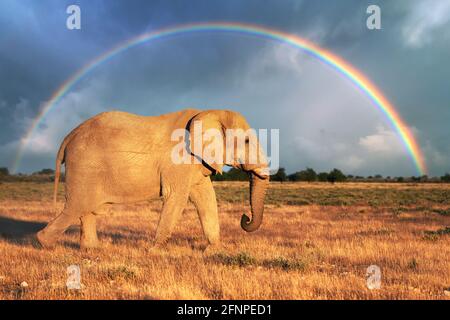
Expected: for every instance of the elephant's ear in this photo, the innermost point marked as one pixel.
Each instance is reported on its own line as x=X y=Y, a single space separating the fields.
x=207 y=139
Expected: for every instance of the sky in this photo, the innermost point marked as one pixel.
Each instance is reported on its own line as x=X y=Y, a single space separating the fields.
x=325 y=121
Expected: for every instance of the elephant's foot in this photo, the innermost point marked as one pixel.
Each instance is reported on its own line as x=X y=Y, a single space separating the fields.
x=159 y=246
x=45 y=241
x=89 y=246
x=89 y=243
x=212 y=249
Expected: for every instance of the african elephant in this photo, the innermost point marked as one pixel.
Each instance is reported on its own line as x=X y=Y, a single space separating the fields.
x=117 y=157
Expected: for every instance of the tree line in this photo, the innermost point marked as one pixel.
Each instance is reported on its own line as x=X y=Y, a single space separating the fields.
x=334 y=175
x=43 y=175
x=306 y=175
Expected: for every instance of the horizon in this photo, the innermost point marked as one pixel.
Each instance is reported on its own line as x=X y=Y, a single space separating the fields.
x=290 y=173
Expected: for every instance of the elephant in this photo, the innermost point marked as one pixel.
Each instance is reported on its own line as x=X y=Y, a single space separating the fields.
x=117 y=157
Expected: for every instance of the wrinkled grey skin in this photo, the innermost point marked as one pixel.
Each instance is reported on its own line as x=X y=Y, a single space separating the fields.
x=117 y=157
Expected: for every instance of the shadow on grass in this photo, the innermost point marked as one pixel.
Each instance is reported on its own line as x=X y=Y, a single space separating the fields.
x=23 y=232
x=18 y=229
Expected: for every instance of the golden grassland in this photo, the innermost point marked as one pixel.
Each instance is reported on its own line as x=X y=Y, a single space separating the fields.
x=316 y=242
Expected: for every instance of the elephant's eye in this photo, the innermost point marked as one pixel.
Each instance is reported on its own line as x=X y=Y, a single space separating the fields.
x=247 y=140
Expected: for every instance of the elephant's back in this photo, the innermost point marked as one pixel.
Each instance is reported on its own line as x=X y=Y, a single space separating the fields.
x=129 y=121
x=116 y=119
x=109 y=131
x=118 y=131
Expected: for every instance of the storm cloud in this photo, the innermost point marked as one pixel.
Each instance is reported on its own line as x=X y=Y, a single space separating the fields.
x=324 y=120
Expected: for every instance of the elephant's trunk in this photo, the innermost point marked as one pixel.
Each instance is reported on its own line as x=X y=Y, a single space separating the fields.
x=258 y=187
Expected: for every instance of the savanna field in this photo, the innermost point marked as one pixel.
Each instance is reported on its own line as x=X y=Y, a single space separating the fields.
x=316 y=242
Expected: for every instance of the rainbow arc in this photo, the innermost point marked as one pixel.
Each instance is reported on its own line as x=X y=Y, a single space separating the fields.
x=346 y=69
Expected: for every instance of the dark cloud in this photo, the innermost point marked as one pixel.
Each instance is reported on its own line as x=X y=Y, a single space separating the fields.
x=407 y=59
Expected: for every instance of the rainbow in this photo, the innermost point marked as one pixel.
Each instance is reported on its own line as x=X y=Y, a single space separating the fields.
x=347 y=70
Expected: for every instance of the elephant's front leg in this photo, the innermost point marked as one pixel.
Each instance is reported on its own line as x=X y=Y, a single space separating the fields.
x=204 y=199
x=174 y=204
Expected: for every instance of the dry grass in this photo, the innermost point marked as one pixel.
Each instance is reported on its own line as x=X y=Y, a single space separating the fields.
x=311 y=251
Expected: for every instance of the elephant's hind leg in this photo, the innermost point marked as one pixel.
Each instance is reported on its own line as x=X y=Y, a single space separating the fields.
x=204 y=199
x=88 y=235
x=48 y=236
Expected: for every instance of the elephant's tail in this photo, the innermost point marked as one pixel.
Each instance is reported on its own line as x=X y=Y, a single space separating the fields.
x=59 y=161
x=60 y=157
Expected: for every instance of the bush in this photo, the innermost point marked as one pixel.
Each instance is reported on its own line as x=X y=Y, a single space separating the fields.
x=4 y=171
x=279 y=176
x=242 y=259
x=323 y=176
x=446 y=177
x=305 y=175
x=285 y=264
x=45 y=172
x=336 y=175
x=232 y=175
